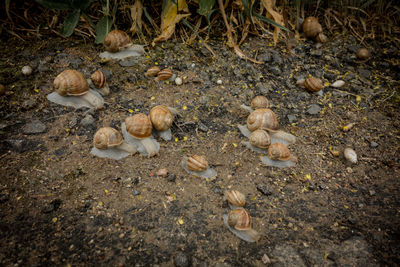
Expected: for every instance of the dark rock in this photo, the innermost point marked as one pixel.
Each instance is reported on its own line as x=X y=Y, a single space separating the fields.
x=181 y=260
x=264 y=57
x=75 y=62
x=52 y=206
x=34 y=127
x=314 y=109
x=374 y=144
x=136 y=192
x=202 y=127
x=287 y=256
x=264 y=189
x=88 y=120
x=304 y=96
x=275 y=70
x=60 y=152
x=4 y=198
x=316 y=53
x=128 y=62
x=29 y=103
x=171 y=177
x=277 y=59
x=364 y=73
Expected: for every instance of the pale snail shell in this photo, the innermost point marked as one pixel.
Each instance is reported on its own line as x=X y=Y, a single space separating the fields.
x=161 y=118
x=278 y=151
x=311 y=27
x=239 y=219
x=260 y=138
x=164 y=74
x=107 y=137
x=350 y=155
x=263 y=118
x=363 y=53
x=152 y=72
x=116 y=40
x=98 y=79
x=139 y=126
x=259 y=102
x=235 y=198
x=197 y=163
x=313 y=84
x=71 y=82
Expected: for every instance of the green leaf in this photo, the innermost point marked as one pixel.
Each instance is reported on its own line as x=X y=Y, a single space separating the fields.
x=56 y=4
x=81 y=4
x=70 y=23
x=270 y=21
x=246 y=8
x=102 y=28
x=205 y=7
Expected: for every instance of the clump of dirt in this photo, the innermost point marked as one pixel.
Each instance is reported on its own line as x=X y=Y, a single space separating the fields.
x=62 y=205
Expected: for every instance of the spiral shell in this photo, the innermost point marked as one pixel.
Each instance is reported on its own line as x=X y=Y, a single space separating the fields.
x=153 y=71
x=278 y=151
x=98 y=79
x=363 y=53
x=71 y=82
x=262 y=118
x=239 y=219
x=311 y=27
x=259 y=102
x=197 y=163
x=164 y=74
x=116 y=40
x=107 y=137
x=260 y=138
x=161 y=118
x=139 y=126
x=235 y=198
x=313 y=84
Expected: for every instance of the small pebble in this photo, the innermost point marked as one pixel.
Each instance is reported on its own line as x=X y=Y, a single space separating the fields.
x=350 y=155
x=171 y=177
x=26 y=70
x=314 y=109
x=136 y=192
x=374 y=144
x=162 y=172
x=219 y=81
x=181 y=260
x=35 y=127
x=178 y=81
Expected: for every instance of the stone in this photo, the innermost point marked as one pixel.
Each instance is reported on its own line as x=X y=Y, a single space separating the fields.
x=314 y=109
x=292 y=118
x=128 y=62
x=275 y=70
x=264 y=57
x=364 y=73
x=88 y=120
x=34 y=127
x=287 y=256
x=181 y=260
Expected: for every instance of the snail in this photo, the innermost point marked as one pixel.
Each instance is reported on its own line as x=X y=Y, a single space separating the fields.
x=72 y=89
x=98 y=79
x=350 y=155
x=165 y=74
x=198 y=166
x=256 y=103
x=119 y=46
x=152 y=72
x=162 y=117
x=311 y=27
x=137 y=130
x=235 y=198
x=363 y=54
x=260 y=138
x=108 y=143
x=313 y=84
x=279 y=156
x=238 y=222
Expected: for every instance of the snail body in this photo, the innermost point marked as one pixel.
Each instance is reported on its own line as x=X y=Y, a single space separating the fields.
x=279 y=156
x=238 y=222
x=137 y=130
x=109 y=143
x=119 y=46
x=311 y=27
x=72 y=89
x=162 y=118
x=198 y=166
x=99 y=80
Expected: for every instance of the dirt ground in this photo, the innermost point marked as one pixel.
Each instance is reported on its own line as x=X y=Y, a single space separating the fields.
x=60 y=205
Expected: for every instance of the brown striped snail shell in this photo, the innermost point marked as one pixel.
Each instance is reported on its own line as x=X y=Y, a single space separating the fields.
x=152 y=72
x=197 y=163
x=313 y=84
x=71 y=82
x=259 y=102
x=107 y=137
x=235 y=198
x=116 y=40
x=260 y=138
x=363 y=53
x=98 y=79
x=311 y=27
x=139 y=126
x=161 y=118
x=262 y=118
x=164 y=74
x=239 y=219
x=278 y=151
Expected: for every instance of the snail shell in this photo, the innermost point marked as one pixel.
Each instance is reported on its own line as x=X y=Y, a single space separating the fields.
x=139 y=125
x=350 y=155
x=161 y=118
x=98 y=79
x=259 y=102
x=313 y=84
x=262 y=118
x=279 y=151
x=311 y=27
x=152 y=72
x=239 y=219
x=235 y=198
x=116 y=40
x=107 y=137
x=363 y=53
x=164 y=74
x=197 y=163
x=71 y=82
x=260 y=138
